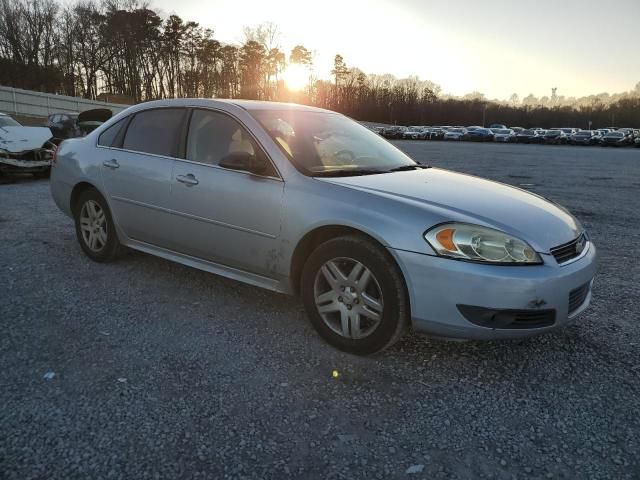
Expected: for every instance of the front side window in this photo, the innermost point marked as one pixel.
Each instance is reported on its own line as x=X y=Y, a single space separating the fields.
x=323 y=143
x=214 y=137
x=155 y=131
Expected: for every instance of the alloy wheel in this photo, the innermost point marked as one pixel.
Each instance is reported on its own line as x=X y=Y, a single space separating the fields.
x=93 y=225
x=348 y=298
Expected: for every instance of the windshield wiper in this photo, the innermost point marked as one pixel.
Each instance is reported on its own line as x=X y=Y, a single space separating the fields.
x=348 y=172
x=405 y=168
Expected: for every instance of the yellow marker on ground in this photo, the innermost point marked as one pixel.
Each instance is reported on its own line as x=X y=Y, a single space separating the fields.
x=335 y=374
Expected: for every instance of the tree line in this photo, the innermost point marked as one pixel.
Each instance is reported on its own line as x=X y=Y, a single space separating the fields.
x=124 y=48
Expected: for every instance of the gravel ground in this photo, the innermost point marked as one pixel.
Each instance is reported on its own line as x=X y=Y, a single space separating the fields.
x=162 y=371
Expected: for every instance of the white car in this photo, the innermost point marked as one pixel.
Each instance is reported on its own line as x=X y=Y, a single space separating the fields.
x=504 y=135
x=413 y=133
x=24 y=149
x=455 y=134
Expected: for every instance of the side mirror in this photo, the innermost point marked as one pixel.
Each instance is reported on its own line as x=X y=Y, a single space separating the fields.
x=243 y=161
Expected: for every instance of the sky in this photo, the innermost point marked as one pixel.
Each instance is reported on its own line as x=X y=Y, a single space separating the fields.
x=496 y=47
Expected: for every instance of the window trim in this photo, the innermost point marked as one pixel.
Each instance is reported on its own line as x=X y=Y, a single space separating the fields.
x=182 y=147
x=244 y=126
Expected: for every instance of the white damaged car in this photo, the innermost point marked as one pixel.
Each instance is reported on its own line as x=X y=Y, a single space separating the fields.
x=24 y=149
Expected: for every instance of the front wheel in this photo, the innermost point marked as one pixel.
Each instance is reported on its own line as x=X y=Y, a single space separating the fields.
x=94 y=227
x=355 y=295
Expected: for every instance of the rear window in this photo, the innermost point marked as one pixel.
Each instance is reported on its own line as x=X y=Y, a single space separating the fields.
x=155 y=131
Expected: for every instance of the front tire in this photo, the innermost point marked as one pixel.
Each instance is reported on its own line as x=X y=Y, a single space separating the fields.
x=94 y=227
x=355 y=295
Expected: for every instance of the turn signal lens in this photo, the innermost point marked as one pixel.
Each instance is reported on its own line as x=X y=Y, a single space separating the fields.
x=445 y=237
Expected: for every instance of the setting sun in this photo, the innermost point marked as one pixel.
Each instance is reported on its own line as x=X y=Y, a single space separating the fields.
x=296 y=76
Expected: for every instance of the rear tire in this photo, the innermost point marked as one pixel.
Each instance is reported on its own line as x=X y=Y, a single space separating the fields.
x=361 y=292
x=95 y=230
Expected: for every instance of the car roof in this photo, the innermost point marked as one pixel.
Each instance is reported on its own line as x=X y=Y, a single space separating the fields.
x=244 y=104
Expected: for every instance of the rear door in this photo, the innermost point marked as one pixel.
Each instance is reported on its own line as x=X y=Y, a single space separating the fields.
x=137 y=157
x=226 y=216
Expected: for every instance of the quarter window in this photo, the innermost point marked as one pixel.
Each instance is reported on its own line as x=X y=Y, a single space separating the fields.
x=108 y=137
x=155 y=131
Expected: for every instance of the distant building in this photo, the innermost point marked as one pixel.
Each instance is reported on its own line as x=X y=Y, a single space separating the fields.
x=116 y=98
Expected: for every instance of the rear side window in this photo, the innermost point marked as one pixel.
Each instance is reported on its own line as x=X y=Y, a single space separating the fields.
x=155 y=131
x=109 y=136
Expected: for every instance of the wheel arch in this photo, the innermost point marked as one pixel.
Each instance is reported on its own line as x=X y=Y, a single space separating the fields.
x=315 y=237
x=77 y=190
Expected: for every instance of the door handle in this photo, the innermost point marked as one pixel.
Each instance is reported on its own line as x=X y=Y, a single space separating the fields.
x=113 y=163
x=189 y=180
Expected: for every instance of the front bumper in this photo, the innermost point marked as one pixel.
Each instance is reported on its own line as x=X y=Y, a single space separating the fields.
x=15 y=165
x=438 y=285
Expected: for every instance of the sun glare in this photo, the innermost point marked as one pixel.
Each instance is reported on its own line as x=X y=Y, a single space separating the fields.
x=296 y=76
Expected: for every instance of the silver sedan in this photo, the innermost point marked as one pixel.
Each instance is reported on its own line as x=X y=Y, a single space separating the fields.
x=305 y=201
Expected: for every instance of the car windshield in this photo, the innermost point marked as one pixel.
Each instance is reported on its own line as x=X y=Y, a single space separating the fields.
x=615 y=134
x=503 y=131
x=7 y=121
x=553 y=132
x=528 y=132
x=584 y=134
x=323 y=143
x=456 y=130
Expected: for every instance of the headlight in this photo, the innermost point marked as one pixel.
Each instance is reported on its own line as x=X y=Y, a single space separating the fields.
x=480 y=244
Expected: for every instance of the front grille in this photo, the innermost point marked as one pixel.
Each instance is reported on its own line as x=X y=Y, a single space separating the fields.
x=565 y=252
x=577 y=296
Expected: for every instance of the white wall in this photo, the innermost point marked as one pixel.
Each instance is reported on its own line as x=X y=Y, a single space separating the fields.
x=26 y=102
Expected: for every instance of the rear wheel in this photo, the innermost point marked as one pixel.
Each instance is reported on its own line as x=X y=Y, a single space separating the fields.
x=94 y=227
x=355 y=295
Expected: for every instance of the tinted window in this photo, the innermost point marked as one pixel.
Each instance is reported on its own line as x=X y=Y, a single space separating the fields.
x=108 y=137
x=213 y=136
x=155 y=131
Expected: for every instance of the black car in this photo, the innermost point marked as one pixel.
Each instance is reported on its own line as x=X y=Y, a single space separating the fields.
x=616 y=139
x=393 y=132
x=554 y=137
x=585 y=137
x=529 y=136
x=479 y=135
x=63 y=125
x=71 y=125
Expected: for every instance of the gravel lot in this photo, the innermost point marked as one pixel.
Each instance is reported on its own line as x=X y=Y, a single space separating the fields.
x=162 y=371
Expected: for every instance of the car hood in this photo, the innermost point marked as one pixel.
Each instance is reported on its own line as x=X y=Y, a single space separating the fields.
x=451 y=196
x=19 y=139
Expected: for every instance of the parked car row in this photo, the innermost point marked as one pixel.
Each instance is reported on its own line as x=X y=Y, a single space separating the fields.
x=618 y=137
